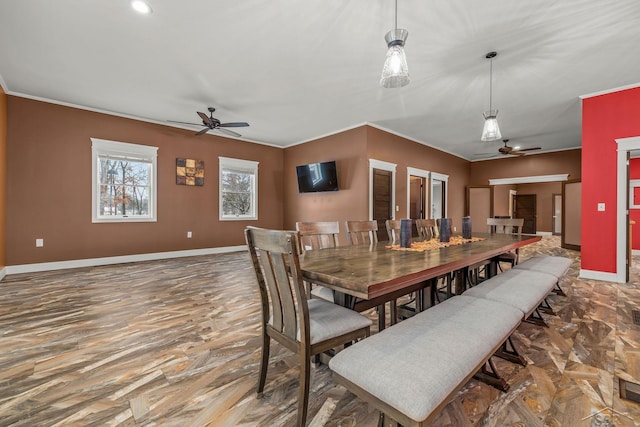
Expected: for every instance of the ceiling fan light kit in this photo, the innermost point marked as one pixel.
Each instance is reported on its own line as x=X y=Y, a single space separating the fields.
x=395 y=72
x=491 y=130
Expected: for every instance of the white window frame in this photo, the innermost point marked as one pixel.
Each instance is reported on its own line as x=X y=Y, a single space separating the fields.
x=243 y=165
x=124 y=150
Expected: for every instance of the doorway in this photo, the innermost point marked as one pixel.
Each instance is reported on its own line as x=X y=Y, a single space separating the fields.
x=382 y=208
x=417 y=199
x=525 y=207
x=438 y=198
x=556 y=219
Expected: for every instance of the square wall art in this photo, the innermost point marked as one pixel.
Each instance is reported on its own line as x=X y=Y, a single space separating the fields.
x=189 y=172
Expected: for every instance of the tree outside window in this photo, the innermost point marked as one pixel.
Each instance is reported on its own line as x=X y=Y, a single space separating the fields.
x=124 y=181
x=238 y=189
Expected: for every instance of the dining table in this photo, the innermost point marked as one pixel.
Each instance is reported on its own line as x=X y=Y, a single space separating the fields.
x=369 y=275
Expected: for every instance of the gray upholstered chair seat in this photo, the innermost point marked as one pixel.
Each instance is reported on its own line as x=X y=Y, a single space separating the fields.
x=522 y=289
x=328 y=320
x=554 y=265
x=416 y=364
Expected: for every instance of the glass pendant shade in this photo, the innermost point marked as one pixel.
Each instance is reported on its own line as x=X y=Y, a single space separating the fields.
x=491 y=130
x=395 y=72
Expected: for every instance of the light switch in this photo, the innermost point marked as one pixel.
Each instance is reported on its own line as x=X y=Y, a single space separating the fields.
x=600 y=207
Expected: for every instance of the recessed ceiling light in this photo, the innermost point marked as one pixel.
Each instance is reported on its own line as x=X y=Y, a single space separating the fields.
x=141 y=7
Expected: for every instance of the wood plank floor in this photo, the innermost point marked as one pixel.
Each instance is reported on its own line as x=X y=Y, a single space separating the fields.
x=176 y=343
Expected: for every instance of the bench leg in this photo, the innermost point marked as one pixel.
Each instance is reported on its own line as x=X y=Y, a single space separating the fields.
x=385 y=421
x=546 y=308
x=558 y=290
x=509 y=352
x=490 y=376
x=537 y=319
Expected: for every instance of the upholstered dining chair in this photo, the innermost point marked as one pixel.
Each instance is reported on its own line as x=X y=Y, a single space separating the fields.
x=393 y=230
x=426 y=228
x=306 y=327
x=506 y=226
x=362 y=232
x=319 y=235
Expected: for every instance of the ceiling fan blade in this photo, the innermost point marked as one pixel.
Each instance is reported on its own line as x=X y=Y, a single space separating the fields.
x=531 y=149
x=185 y=123
x=516 y=153
x=234 y=125
x=205 y=130
x=229 y=132
x=205 y=118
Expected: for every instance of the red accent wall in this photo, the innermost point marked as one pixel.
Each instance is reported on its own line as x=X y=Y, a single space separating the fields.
x=605 y=118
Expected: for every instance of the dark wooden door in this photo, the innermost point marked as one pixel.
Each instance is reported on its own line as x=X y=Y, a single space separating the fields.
x=525 y=207
x=417 y=200
x=382 y=208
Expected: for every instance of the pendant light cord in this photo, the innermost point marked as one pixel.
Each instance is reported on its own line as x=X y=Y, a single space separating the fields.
x=490 y=85
x=395 y=27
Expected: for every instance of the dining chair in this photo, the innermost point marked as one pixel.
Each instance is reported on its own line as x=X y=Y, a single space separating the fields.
x=306 y=327
x=318 y=235
x=393 y=230
x=506 y=226
x=362 y=232
x=426 y=228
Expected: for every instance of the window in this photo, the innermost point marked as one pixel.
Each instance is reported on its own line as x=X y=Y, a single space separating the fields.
x=238 y=189
x=123 y=181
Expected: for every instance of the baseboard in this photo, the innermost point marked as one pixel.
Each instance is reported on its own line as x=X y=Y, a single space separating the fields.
x=544 y=233
x=3 y=273
x=598 y=275
x=635 y=252
x=91 y=262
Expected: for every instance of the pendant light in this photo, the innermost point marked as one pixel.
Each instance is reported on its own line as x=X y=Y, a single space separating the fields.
x=491 y=130
x=395 y=72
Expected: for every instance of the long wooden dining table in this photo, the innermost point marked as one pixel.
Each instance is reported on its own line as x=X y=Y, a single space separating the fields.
x=367 y=276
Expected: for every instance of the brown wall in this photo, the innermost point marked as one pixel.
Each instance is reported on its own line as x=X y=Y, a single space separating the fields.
x=405 y=153
x=3 y=177
x=530 y=165
x=501 y=199
x=49 y=186
x=544 y=201
x=351 y=201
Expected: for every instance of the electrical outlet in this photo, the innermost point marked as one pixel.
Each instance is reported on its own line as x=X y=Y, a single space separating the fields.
x=189 y=234
x=397 y=208
x=601 y=207
x=39 y=243
x=455 y=229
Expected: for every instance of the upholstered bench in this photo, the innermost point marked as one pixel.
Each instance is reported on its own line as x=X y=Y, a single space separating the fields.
x=411 y=370
x=521 y=289
x=554 y=265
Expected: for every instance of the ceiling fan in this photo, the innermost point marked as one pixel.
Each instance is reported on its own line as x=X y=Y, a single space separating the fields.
x=506 y=150
x=211 y=123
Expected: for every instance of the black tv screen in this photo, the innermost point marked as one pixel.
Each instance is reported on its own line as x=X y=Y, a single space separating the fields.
x=317 y=177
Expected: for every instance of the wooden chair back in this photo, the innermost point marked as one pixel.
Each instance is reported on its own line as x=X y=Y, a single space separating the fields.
x=505 y=225
x=362 y=232
x=318 y=235
x=393 y=230
x=426 y=228
x=285 y=313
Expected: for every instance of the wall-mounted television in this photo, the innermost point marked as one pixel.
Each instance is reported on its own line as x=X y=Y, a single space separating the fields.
x=317 y=177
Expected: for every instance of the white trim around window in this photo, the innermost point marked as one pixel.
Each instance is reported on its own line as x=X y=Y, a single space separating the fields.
x=114 y=150
x=246 y=170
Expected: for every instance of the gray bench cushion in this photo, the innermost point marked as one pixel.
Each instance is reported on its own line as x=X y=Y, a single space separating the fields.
x=522 y=289
x=554 y=265
x=416 y=364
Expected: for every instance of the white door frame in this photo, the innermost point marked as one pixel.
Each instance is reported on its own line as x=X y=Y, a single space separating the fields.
x=422 y=174
x=390 y=167
x=445 y=179
x=624 y=146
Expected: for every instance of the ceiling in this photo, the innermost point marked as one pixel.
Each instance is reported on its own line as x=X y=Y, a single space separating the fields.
x=299 y=70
